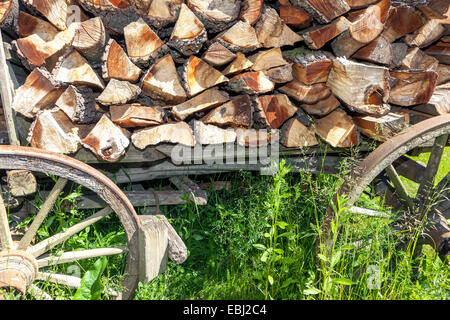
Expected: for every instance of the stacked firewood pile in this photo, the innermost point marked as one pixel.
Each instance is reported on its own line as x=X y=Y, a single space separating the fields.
x=108 y=74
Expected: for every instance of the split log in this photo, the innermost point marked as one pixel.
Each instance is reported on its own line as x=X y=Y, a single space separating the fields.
x=79 y=105
x=251 y=83
x=402 y=21
x=271 y=111
x=9 y=14
x=210 y=134
x=378 y=51
x=153 y=247
x=309 y=66
x=189 y=34
x=338 y=129
x=443 y=71
x=281 y=74
x=216 y=16
x=235 y=113
x=440 y=51
x=323 y=10
x=204 y=101
x=141 y=6
x=267 y=59
x=107 y=140
x=438 y=103
x=412 y=87
x=40 y=91
x=21 y=183
x=417 y=59
x=273 y=32
x=117 y=65
x=256 y=138
x=295 y=16
x=304 y=93
x=425 y=35
x=118 y=92
x=365 y=26
x=90 y=39
x=28 y=25
x=381 y=128
x=115 y=14
x=54 y=10
x=143 y=44
x=251 y=11
x=136 y=115
x=241 y=63
x=161 y=82
x=322 y=107
x=35 y=52
x=217 y=55
x=295 y=135
x=360 y=85
x=199 y=76
x=178 y=133
x=52 y=130
x=316 y=37
x=72 y=68
x=163 y=12
x=240 y=37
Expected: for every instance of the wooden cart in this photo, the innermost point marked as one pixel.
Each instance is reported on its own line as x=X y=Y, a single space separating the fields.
x=22 y=263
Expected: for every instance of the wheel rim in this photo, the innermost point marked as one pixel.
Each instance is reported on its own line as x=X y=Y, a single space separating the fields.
x=12 y=157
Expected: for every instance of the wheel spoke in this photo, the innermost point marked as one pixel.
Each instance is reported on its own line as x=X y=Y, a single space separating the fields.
x=72 y=256
x=70 y=281
x=6 y=241
x=42 y=214
x=49 y=243
x=39 y=294
x=399 y=187
x=427 y=184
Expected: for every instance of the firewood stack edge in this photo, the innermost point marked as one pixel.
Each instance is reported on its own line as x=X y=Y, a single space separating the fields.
x=105 y=75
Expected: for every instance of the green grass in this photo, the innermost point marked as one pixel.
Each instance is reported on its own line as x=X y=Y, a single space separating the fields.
x=257 y=241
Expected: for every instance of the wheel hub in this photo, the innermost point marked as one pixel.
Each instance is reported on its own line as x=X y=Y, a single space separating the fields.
x=18 y=270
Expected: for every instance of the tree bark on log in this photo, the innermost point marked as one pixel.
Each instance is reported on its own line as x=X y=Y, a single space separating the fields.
x=189 y=34
x=79 y=105
x=216 y=16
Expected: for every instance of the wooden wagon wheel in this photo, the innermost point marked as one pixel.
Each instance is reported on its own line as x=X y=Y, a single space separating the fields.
x=430 y=206
x=20 y=262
